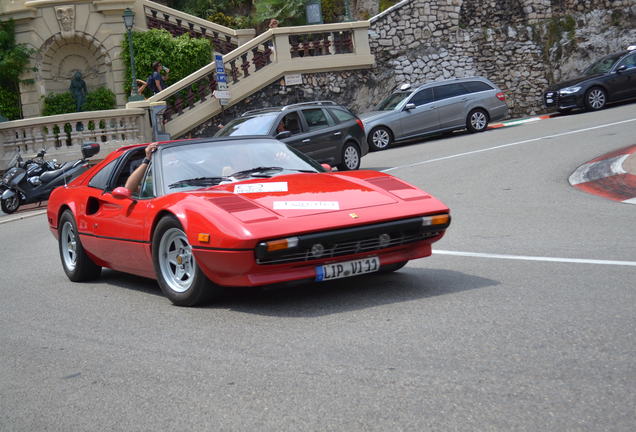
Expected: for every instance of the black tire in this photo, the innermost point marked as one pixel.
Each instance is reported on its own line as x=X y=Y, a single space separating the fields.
x=10 y=205
x=350 y=157
x=477 y=120
x=181 y=280
x=76 y=264
x=595 y=99
x=389 y=268
x=380 y=138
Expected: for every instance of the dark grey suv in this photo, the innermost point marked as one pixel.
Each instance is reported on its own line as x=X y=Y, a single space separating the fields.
x=323 y=130
x=439 y=106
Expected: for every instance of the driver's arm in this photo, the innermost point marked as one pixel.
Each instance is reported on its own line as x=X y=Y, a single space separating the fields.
x=134 y=180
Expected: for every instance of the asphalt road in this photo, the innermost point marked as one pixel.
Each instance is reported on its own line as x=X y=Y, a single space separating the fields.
x=535 y=332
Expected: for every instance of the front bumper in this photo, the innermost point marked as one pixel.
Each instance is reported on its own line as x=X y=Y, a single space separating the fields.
x=239 y=268
x=552 y=99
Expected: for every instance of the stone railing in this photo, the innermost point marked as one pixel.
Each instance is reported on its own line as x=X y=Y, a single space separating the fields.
x=224 y=39
x=61 y=134
x=261 y=61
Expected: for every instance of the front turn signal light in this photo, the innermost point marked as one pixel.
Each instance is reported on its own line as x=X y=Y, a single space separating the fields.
x=442 y=219
x=281 y=244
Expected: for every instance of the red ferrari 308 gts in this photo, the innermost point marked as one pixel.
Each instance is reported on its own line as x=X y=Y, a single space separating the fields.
x=243 y=211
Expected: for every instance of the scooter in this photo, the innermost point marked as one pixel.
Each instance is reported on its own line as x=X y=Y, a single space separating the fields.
x=20 y=188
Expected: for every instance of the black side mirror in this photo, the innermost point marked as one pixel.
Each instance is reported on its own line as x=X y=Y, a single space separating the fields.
x=409 y=106
x=621 y=68
x=283 y=135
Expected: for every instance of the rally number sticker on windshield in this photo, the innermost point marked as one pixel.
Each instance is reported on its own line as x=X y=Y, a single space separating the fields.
x=261 y=187
x=306 y=205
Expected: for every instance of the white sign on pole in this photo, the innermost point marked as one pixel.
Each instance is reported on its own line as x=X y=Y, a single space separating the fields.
x=222 y=93
x=294 y=79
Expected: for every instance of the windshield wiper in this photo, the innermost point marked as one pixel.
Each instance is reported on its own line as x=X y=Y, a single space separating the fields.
x=265 y=171
x=199 y=181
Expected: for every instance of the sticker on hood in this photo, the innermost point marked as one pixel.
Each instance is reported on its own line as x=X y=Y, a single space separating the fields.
x=261 y=187
x=306 y=205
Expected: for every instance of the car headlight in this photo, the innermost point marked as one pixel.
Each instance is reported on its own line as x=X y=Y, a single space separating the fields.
x=569 y=90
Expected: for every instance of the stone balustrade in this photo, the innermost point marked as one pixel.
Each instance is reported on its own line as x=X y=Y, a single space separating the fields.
x=224 y=39
x=61 y=134
x=259 y=62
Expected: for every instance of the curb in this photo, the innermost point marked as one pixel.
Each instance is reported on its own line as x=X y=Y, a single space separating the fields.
x=23 y=216
x=521 y=121
x=608 y=177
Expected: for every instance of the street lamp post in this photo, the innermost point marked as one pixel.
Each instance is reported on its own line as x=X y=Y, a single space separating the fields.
x=347 y=11
x=129 y=22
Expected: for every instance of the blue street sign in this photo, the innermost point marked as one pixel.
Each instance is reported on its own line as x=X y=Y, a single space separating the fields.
x=220 y=70
x=221 y=77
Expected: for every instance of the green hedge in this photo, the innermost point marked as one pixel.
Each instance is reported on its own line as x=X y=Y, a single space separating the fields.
x=62 y=103
x=183 y=55
x=9 y=104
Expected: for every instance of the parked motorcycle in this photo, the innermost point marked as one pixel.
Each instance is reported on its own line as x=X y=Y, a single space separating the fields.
x=22 y=185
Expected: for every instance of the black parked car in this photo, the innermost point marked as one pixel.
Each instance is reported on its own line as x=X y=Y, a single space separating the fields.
x=323 y=130
x=610 y=79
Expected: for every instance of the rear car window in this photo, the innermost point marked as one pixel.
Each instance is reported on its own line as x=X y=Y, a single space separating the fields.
x=341 y=115
x=448 y=91
x=315 y=118
x=476 y=86
x=422 y=97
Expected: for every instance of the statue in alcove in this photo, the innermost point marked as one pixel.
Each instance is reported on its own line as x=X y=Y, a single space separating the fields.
x=78 y=90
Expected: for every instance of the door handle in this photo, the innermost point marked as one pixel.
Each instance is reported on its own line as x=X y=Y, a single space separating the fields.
x=306 y=140
x=338 y=133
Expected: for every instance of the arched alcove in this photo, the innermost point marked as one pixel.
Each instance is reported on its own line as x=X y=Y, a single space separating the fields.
x=62 y=55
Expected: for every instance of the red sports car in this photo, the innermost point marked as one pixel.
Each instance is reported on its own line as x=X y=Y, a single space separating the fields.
x=243 y=211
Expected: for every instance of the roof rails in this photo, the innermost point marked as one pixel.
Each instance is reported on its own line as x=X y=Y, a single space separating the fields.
x=324 y=102
x=257 y=110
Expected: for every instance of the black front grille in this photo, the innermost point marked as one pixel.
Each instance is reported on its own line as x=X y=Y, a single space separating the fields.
x=352 y=241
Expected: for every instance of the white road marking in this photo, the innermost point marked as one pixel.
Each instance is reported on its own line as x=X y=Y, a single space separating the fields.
x=597 y=170
x=508 y=145
x=23 y=216
x=536 y=258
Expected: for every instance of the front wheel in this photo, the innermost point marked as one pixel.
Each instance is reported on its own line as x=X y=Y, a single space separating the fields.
x=595 y=98
x=380 y=138
x=477 y=120
x=10 y=205
x=350 y=157
x=178 y=273
x=76 y=264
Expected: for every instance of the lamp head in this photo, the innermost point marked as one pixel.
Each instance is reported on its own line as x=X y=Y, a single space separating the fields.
x=129 y=18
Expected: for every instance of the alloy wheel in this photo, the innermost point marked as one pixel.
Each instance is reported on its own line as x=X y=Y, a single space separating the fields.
x=478 y=120
x=596 y=98
x=69 y=246
x=351 y=157
x=176 y=260
x=381 y=138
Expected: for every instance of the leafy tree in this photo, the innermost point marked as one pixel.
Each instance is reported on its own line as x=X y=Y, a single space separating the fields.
x=14 y=59
x=182 y=55
x=287 y=12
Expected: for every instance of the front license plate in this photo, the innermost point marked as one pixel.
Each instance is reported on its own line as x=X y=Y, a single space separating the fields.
x=347 y=268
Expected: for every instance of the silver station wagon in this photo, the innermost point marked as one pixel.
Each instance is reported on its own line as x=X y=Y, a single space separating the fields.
x=434 y=107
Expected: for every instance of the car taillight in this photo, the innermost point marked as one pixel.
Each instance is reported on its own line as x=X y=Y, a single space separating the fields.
x=501 y=96
x=360 y=124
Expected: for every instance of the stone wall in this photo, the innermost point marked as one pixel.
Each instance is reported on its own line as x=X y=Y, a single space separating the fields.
x=520 y=45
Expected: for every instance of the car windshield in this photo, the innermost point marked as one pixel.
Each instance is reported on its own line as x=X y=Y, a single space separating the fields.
x=255 y=125
x=205 y=164
x=392 y=101
x=603 y=65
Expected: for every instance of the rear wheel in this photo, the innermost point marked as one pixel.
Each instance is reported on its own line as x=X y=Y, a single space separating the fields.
x=10 y=205
x=76 y=264
x=350 y=157
x=178 y=274
x=380 y=138
x=477 y=120
x=595 y=98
